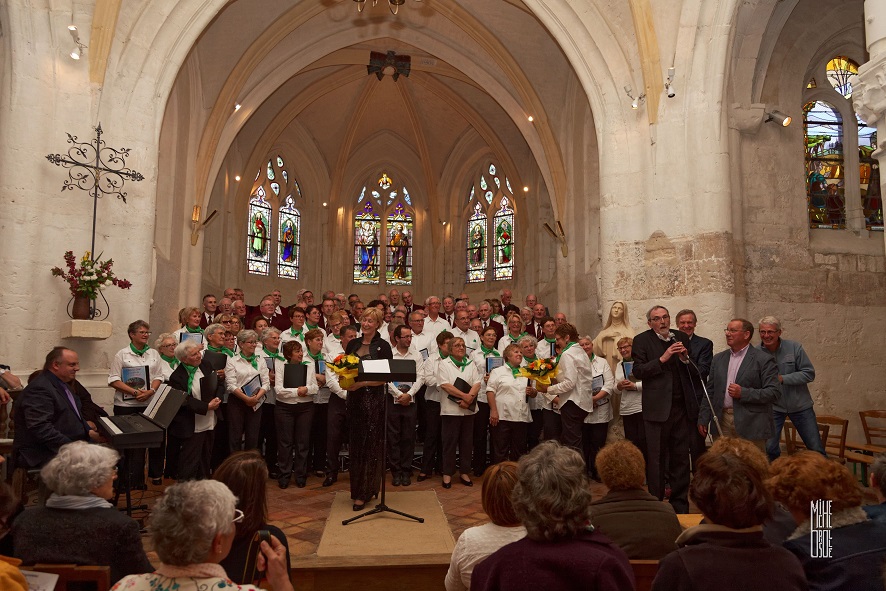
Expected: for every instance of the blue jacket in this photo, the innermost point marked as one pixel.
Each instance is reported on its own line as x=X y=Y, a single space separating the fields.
x=796 y=371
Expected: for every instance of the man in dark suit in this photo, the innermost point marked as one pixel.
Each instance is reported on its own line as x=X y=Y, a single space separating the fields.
x=485 y=312
x=409 y=304
x=670 y=407
x=266 y=310
x=701 y=352
x=743 y=385
x=48 y=413
x=210 y=308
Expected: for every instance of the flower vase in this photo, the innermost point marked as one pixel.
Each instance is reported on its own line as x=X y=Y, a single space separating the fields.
x=80 y=309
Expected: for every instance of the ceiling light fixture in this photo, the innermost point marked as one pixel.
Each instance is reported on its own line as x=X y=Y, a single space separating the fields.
x=393 y=5
x=237 y=107
x=530 y=119
x=75 y=35
x=237 y=178
x=778 y=117
x=525 y=189
x=669 y=83
x=635 y=102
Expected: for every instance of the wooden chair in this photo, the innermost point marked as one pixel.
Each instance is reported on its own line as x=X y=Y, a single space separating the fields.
x=835 y=441
x=873 y=422
x=644 y=573
x=71 y=576
x=792 y=441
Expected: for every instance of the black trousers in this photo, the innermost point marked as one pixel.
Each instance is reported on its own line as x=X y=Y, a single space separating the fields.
x=481 y=439
x=267 y=436
x=421 y=411
x=508 y=440
x=458 y=436
x=221 y=441
x=293 y=425
x=552 y=424
x=635 y=432
x=401 y=436
x=243 y=421
x=432 y=450
x=533 y=433
x=668 y=442
x=136 y=457
x=593 y=439
x=572 y=418
x=336 y=431
x=194 y=454
x=317 y=456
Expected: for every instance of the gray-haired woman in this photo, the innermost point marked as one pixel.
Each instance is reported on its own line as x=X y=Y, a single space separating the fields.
x=561 y=550
x=192 y=529
x=244 y=408
x=78 y=525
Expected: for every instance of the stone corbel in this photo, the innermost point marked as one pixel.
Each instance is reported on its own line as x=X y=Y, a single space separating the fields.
x=869 y=90
x=747 y=119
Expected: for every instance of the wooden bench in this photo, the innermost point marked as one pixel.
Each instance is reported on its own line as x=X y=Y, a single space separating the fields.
x=72 y=577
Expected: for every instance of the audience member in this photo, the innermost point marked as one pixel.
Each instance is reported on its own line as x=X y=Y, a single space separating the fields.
x=476 y=543
x=78 y=525
x=878 y=485
x=729 y=552
x=641 y=525
x=561 y=550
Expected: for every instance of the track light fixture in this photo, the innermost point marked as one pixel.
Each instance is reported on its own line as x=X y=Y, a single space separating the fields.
x=75 y=35
x=635 y=101
x=778 y=117
x=393 y=5
x=669 y=83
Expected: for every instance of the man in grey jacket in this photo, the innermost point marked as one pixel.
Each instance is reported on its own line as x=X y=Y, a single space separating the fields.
x=795 y=371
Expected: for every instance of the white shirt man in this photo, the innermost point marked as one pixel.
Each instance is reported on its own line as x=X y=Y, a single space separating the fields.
x=462 y=329
x=423 y=342
x=435 y=323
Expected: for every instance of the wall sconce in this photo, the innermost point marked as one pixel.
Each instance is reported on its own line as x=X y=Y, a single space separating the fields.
x=559 y=236
x=196 y=225
x=635 y=102
x=778 y=117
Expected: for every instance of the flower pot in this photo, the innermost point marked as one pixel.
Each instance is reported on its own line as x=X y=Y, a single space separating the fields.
x=80 y=309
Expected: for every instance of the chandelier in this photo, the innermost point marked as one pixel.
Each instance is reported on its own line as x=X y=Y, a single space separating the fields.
x=394 y=5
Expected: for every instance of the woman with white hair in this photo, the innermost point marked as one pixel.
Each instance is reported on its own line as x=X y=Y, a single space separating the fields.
x=78 y=525
x=165 y=346
x=244 y=409
x=192 y=529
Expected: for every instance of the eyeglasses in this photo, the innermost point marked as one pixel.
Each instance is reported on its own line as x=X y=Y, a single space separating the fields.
x=768 y=332
x=146 y=333
x=238 y=516
x=659 y=318
x=167 y=345
x=250 y=342
x=734 y=330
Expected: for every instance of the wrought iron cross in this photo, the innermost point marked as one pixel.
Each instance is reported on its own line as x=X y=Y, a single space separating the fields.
x=96 y=169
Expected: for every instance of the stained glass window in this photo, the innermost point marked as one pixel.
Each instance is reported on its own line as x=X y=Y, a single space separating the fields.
x=476 y=246
x=399 y=259
x=367 y=232
x=289 y=240
x=825 y=185
x=406 y=196
x=869 y=176
x=839 y=70
x=270 y=171
x=504 y=242
x=258 y=250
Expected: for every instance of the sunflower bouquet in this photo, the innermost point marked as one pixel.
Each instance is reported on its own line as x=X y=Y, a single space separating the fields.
x=346 y=368
x=542 y=370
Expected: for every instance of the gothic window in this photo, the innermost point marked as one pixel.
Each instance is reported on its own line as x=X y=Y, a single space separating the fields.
x=272 y=209
x=489 y=245
x=837 y=141
x=383 y=256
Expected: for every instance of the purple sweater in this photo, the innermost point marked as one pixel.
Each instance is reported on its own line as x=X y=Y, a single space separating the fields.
x=584 y=563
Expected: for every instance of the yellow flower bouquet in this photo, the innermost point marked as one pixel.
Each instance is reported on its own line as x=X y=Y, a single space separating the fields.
x=541 y=370
x=346 y=368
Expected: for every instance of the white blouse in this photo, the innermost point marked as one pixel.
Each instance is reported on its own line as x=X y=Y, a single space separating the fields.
x=574 y=379
x=474 y=545
x=126 y=358
x=602 y=407
x=429 y=378
x=544 y=349
x=201 y=422
x=510 y=395
x=290 y=395
x=238 y=372
x=448 y=373
x=479 y=359
x=631 y=400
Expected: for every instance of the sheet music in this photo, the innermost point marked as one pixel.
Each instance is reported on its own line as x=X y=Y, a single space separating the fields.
x=40 y=581
x=424 y=354
x=597 y=383
x=156 y=401
x=376 y=366
x=110 y=426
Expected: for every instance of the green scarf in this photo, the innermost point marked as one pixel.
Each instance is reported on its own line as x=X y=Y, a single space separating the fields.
x=194 y=330
x=272 y=355
x=514 y=370
x=530 y=359
x=172 y=361
x=566 y=348
x=461 y=364
x=221 y=349
x=310 y=327
x=138 y=352
x=487 y=352
x=551 y=340
x=252 y=359
x=316 y=357
x=514 y=339
x=192 y=370
x=295 y=333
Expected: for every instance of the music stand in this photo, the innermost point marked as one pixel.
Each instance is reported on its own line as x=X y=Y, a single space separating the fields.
x=385 y=370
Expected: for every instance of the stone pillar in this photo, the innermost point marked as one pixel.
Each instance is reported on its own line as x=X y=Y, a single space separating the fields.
x=869 y=87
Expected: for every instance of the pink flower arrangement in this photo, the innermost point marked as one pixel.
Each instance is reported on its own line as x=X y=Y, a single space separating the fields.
x=90 y=276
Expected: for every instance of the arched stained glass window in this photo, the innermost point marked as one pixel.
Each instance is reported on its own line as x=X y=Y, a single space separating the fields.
x=367 y=231
x=289 y=239
x=476 y=245
x=489 y=244
x=839 y=70
x=258 y=251
x=504 y=241
x=275 y=193
x=825 y=187
x=399 y=259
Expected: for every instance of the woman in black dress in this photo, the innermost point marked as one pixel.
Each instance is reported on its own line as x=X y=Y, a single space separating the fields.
x=366 y=414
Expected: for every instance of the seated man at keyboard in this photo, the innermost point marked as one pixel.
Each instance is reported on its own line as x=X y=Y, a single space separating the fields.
x=48 y=414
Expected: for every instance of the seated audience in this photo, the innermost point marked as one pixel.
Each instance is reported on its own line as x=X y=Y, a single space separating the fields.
x=857 y=544
x=729 y=551
x=192 y=529
x=476 y=543
x=11 y=578
x=246 y=475
x=78 y=525
x=561 y=550
x=878 y=485
x=640 y=524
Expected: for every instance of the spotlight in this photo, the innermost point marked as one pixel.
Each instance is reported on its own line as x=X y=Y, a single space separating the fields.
x=75 y=55
x=778 y=117
x=237 y=107
x=324 y=204
x=237 y=178
x=635 y=102
x=525 y=189
x=669 y=84
x=75 y=35
x=72 y=27
x=530 y=119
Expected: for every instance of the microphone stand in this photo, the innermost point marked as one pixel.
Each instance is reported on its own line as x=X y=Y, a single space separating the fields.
x=706 y=395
